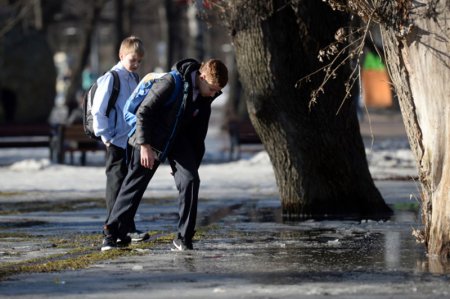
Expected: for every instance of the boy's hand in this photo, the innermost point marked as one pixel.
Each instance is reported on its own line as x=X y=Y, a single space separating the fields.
x=147 y=156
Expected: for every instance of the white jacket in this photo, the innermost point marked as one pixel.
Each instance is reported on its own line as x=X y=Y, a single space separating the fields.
x=112 y=129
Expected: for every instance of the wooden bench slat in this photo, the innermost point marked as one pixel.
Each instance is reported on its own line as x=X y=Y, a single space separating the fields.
x=71 y=138
x=241 y=132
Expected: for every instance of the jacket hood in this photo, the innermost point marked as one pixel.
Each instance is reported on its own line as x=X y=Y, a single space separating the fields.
x=186 y=66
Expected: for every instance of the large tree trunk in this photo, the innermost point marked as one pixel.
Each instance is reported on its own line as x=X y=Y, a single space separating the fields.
x=416 y=39
x=318 y=155
x=419 y=66
x=176 y=31
x=94 y=9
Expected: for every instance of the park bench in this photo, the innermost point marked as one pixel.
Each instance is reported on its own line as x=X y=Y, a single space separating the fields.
x=71 y=139
x=241 y=132
x=24 y=135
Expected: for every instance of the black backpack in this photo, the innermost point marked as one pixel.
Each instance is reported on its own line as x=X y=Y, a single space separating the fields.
x=88 y=119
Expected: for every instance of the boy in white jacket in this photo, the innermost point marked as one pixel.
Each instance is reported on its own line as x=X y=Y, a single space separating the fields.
x=113 y=129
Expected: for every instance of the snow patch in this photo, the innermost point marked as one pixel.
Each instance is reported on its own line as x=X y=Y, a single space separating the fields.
x=30 y=164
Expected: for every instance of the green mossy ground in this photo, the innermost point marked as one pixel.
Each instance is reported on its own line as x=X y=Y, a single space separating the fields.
x=83 y=250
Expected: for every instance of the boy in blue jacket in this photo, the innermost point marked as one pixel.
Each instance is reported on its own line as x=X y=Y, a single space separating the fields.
x=113 y=129
x=174 y=129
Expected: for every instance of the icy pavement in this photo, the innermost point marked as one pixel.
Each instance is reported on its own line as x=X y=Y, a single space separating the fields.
x=245 y=248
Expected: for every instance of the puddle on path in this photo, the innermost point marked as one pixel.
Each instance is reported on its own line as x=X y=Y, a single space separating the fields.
x=322 y=246
x=244 y=247
x=254 y=233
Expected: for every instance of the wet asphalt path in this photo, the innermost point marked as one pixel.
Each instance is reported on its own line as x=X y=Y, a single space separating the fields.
x=246 y=251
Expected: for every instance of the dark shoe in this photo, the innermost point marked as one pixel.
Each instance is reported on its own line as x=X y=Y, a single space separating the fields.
x=179 y=245
x=123 y=241
x=138 y=236
x=189 y=246
x=109 y=242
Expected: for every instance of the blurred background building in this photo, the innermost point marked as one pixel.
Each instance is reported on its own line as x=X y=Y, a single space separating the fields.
x=52 y=50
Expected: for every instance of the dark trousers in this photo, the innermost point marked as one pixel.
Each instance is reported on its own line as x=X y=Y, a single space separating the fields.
x=136 y=181
x=116 y=170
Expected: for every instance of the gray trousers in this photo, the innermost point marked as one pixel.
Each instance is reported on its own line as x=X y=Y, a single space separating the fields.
x=185 y=172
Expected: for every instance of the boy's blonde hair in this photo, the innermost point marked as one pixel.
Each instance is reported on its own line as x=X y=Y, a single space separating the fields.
x=215 y=72
x=132 y=44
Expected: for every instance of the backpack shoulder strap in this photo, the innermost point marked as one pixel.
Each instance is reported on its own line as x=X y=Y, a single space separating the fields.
x=178 y=85
x=114 y=93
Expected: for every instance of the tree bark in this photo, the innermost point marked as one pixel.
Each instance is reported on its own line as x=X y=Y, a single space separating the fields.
x=94 y=11
x=176 y=31
x=317 y=154
x=419 y=64
x=417 y=46
x=119 y=24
